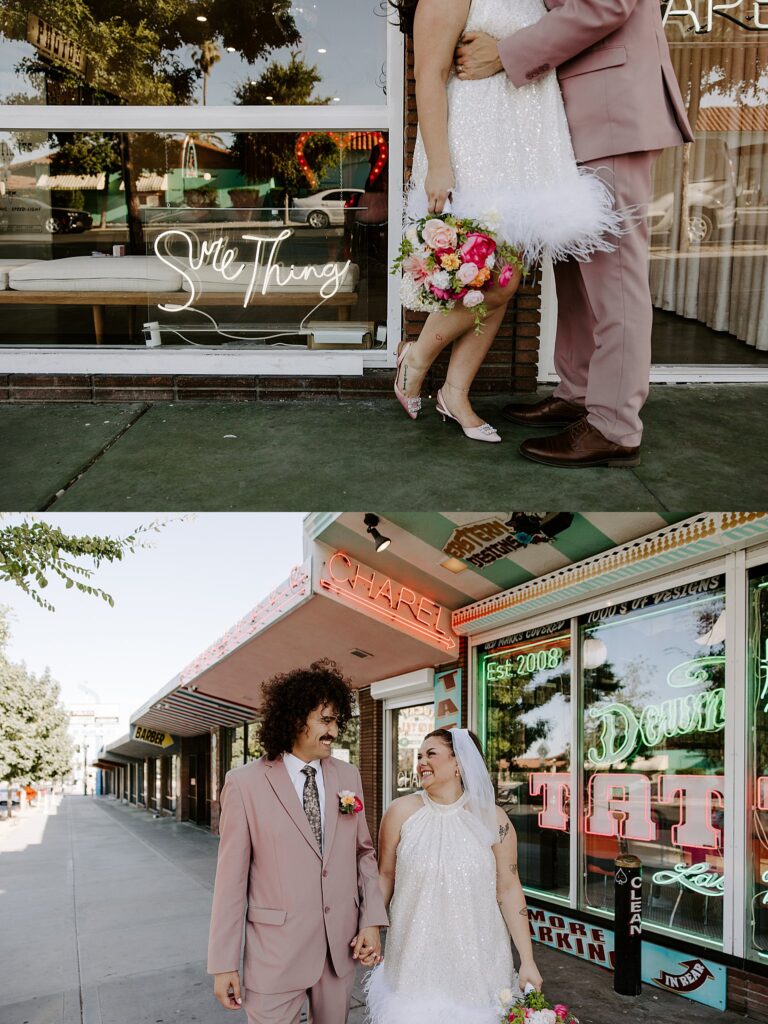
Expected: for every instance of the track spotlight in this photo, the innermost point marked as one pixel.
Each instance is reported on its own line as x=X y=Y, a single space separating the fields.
x=372 y=521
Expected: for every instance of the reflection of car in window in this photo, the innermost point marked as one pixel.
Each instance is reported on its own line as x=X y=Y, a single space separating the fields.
x=21 y=213
x=324 y=208
x=710 y=193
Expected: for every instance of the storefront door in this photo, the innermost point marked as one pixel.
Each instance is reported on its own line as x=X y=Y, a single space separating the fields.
x=407 y=727
x=199 y=804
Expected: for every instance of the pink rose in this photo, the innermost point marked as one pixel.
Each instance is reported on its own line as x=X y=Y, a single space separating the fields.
x=472 y=298
x=505 y=277
x=416 y=266
x=467 y=272
x=561 y=1010
x=477 y=248
x=439 y=235
x=440 y=293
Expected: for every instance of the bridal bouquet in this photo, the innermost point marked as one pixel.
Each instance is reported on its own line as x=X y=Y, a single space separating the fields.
x=447 y=259
x=532 y=1008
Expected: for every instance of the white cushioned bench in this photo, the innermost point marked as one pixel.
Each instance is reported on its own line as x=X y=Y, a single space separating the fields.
x=135 y=281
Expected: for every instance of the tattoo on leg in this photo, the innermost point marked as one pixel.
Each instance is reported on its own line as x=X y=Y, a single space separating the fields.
x=503 y=830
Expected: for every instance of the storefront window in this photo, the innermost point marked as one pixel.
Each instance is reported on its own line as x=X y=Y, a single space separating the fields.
x=709 y=214
x=409 y=727
x=228 y=240
x=177 y=53
x=654 y=715
x=525 y=681
x=347 y=747
x=757 y=790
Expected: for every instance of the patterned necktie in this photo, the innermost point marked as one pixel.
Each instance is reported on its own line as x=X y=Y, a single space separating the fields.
x=312 y=805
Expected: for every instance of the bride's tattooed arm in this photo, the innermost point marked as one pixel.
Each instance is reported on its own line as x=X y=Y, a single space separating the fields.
x=511 y=899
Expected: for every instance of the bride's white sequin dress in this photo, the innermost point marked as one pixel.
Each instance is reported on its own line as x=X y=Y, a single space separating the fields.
x=512 y=156
x=448 y=952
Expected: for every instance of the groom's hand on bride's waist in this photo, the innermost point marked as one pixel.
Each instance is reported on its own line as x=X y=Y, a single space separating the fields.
x=477 y=56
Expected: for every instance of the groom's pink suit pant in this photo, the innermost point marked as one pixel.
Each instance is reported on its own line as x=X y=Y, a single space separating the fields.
x=623 y=105
x=301 y=908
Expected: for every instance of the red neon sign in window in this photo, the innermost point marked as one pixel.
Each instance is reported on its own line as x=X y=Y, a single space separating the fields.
x=556 y=788
x=698 y=794
x=387 y=599
x=619 y=804
x=762 y=793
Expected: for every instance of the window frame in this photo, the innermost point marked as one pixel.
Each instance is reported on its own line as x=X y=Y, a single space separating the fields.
x=387 y=117
x=734 y=567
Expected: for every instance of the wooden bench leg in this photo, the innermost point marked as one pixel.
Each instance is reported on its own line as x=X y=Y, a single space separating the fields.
x=98 y=323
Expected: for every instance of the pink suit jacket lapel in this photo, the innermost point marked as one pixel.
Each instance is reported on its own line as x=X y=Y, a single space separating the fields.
x=280 y=781
x=331 y=783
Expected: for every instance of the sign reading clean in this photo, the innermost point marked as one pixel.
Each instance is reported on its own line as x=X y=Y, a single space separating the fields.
x=157 y=739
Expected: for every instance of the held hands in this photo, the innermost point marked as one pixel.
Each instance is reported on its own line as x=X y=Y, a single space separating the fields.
x=529 y=975
x=367 y=946
x=439 y=186
x=477 y=56
x=222 y=984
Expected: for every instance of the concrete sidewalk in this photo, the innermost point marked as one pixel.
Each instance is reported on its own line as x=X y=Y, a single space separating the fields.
x=701 y=443
x=105 y=918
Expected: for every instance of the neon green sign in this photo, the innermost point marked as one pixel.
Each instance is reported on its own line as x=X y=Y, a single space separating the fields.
x=523 y=664
x=693 y=673
x=697 y=877
x=621 y=727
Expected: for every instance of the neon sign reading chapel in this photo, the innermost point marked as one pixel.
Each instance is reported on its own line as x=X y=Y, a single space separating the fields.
x=220 y=257
x=385 y=598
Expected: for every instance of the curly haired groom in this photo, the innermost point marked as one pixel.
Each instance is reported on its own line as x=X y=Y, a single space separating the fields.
x=296 y=861
x=623 y=105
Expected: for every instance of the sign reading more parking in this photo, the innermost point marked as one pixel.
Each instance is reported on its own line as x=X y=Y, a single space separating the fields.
x=153 y=736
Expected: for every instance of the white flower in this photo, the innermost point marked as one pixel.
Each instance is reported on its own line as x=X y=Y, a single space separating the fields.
x=491 y=219
x=472 y=298
x=412 y=235
x=548 y=1016
x=441 y=279
x=506 y=997
x=491 y=261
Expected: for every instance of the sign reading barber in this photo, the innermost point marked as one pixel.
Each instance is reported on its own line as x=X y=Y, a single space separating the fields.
x=152 y=736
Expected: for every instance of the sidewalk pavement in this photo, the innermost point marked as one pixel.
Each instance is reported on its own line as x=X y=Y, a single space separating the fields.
x=701 y=443
x=105 y=915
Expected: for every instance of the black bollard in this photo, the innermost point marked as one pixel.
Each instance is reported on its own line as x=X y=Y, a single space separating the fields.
x=628 y=924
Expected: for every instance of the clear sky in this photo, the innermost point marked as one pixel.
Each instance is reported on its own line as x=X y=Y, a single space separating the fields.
x=200 y=575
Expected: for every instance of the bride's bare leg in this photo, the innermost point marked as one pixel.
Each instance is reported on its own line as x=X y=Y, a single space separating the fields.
x=467 y=357
x=440 y=329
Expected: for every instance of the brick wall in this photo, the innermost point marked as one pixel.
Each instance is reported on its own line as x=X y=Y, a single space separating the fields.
x=371 y=757
x=510 y=366
x=748 y=993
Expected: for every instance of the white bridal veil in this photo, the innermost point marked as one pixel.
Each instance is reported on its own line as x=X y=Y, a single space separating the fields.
x=477 y=782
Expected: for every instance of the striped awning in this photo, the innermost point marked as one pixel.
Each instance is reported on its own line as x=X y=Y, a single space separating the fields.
x=732 y=119
x=94 y=182
x=418 y=555
x=150 y=183
x=185 y=711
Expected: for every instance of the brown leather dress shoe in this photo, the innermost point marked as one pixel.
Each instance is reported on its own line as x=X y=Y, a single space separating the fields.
x=549 y=412
x=578 y=446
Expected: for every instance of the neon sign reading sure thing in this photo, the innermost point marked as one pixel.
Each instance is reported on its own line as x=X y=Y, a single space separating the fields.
x=221 y=258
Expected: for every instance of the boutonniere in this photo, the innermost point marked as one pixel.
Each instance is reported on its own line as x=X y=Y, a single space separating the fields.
x=349 y=803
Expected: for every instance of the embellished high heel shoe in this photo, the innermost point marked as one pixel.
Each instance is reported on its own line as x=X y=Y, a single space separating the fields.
x=485 y=432
x=411 y=404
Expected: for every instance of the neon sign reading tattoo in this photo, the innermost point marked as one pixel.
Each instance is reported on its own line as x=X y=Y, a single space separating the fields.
x=220 y=257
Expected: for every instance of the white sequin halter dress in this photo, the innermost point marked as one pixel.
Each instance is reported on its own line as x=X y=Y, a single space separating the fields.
x=448 y=952
x=512 y=156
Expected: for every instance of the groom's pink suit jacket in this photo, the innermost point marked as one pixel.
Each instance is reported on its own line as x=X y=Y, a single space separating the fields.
x=612 y=58
x=299 y=907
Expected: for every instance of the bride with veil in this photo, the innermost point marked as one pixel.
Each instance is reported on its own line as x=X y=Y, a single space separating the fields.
x=448 y=872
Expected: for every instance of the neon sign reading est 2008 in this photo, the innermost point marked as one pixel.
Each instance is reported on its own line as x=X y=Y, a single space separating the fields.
x=217 y=255
x=524 y=664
